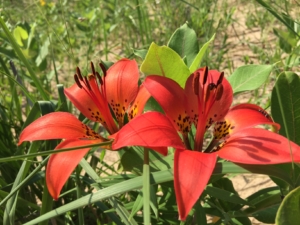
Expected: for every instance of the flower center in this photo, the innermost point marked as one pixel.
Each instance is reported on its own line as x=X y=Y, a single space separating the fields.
x=208 y=93
x=222 y=129
x=94 y=86
x=184 y=123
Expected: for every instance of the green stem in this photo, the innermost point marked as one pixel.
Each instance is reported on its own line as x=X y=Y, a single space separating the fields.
x=146 y=188
x=78 y=191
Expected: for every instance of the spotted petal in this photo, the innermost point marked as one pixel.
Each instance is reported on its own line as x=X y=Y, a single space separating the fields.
x=259 y=146
x=92 y=105
x=242 y=116
x=138 y=105
x=61 y=165
x=171 y=98
x=121 y=84
x=152 y=130
x=57 y=125
x=192 y=171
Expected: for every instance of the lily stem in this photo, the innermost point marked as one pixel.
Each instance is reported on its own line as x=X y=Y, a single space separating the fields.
x=78 y=191
x=146 y=188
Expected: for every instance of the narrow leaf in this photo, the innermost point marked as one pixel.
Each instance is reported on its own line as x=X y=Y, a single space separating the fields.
x=197 y=60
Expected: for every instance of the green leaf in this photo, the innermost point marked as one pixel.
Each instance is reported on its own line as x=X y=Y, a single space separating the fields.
x=263 y=199
x=140 y=53
x=133 y=159
x=105 y=193
x=289 y=210
x=271 y=170
x=224 y=195
x=20 y=34
x=122 y=212
x=285 y=105
x=22 y=58
x=153 y=200
x=9 y=53
x=249 y=77
x=138 y=204
x=43 y=52
x=200 y=216
x=165 y=62
x=137 y=183
x=197 y=60
x=267 y=215
x=184 y=42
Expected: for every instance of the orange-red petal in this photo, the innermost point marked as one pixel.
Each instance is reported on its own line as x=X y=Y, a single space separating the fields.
x=152 y=130
x=259 y=146
x=220 y=107
x=121 y=83
x=57 y=125
x=61 y=165
x=192 y=171
x=172 y=99
x=138 y=105
x=242 y=116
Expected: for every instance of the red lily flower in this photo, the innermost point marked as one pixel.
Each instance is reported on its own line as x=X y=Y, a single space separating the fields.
x=204 y=102
x=95 y=97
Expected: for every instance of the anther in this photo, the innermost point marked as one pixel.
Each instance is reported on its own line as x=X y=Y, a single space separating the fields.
x=219 y=92
x=93 y=68
x=211 y=86
x=208 y=93
x=87 y=83
x=79 y=73
x=99 y=78
x=205 y=75
x=103 y=69
x=77 y=81
x=196 y=83
x=220 y=78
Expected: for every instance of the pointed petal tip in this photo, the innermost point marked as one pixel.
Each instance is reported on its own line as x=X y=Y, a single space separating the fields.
x=188 y=165
x=61 y=165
